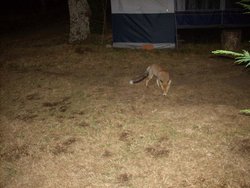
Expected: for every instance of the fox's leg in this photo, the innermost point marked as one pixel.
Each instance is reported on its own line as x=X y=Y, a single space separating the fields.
x=150 y=76
x=169 y=84
x=158 y=82
x=165 y=90
x=163 y=86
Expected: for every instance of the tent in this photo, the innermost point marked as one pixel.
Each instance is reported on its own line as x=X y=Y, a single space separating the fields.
x=143 y=23
x=153 y=23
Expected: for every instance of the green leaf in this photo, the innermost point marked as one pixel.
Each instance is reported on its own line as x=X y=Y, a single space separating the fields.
x=246 y=53
x=245 y=112
x=245 y=5
x=226 y=53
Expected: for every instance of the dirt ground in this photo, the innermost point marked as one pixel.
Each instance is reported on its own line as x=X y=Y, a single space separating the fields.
x=69 y=117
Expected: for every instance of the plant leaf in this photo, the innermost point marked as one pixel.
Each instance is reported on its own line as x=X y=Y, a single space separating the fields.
x=227 y=53
x=245 y=112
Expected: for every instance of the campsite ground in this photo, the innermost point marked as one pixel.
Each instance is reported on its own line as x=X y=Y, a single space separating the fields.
x=69 y=117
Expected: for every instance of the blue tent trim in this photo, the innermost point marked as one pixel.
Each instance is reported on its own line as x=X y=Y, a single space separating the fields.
x=235 y=18
x=206 y=19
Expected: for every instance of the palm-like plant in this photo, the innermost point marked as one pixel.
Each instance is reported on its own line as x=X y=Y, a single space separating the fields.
x=240 y=58
x=245 y=4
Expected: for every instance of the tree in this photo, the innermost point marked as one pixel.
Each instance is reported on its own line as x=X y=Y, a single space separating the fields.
x=79 y=12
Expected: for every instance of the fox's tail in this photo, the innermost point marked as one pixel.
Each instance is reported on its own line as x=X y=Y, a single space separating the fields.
x=139 y=78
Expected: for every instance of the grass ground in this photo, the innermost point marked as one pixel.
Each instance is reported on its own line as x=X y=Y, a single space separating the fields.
x=69 y=117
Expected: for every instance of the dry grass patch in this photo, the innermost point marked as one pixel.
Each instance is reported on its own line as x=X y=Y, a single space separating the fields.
x=69 y=118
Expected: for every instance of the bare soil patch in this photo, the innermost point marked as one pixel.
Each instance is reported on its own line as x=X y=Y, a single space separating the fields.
x=69 y=117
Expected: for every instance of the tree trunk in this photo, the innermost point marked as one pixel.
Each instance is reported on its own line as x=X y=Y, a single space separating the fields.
x=79 y=12
x=231 y=39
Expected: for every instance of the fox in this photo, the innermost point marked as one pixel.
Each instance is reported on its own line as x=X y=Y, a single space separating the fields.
x=162 y=77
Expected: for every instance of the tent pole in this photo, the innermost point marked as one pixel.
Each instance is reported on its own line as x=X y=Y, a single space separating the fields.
x=104 y=19
x=222 y=9
x=176 y=32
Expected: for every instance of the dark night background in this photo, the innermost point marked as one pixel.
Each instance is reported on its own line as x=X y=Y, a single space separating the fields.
x=22 y=15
